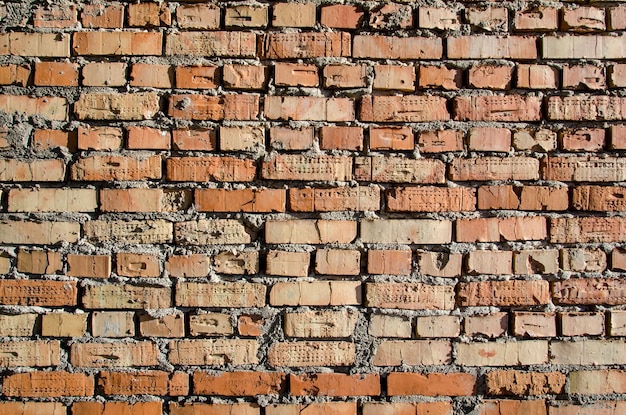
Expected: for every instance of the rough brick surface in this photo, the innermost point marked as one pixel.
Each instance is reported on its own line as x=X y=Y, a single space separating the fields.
x=295 y=208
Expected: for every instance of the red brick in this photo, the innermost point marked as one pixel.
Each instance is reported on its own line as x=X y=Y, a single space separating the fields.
x=501 y=229
x=588 y=291
x=523 y=198
x=117 y=43
x=103 y=16
x=149 y=15
x=391 y=138
x=14 y=74
x=129 y=264
x=341 y=138
x=490 y=76
x=100 y=138
x=239 y=383
x=48 y=384
x=584 y=107
x=584 y=77
x=392 y=262
x=117 y=408
x=89 y=266
x=334 y=199
x=490 y=262
x=201 y=139
x=492 y=47
x=32 y=408
x=51 y=108
x=293 y=14
x=438 y=18
x=39 y=262
x=391 y=47
x=240 y=200
x=583 y=19
x=152 y=75
x=407 y=408
x=42 y=293
x=334 y=384
x=244 y=76
x=251 y=325
x=214 y=108
x=144 y=200
x=214 y=409
x=304 y=108
x=432 y=384
x=407 y=108
x=440 y=141
x=296 y=74
x=504 y=293
x=497 y=108
x=520 y=383
x=288 y=138
x=440 y=77
x=210 y=168
x=305 y=45
x=489 y=139
x=337 y=262
x=151 y=382
x=220 y=43
x=391 y=16
x=56 y=16
x=196 y=77
x=618 y=259
x=394 y=77
x=301 y=167
x=345 y=76
x=587 y=230
x=586 y=139
x=147 y=138
x=198 y=16
x=597 y=408
x=342 y=16
x=536 y=76
x=494 y=168
x=56 y=74
x=335 y=408
x=537 y=19
x=430 y=199
x=511 y=407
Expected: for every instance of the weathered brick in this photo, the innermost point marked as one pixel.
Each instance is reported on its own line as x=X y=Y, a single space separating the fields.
x=152 y=75
x=113 y=324
x=439 y=264
x=317 y=293
x=89 y=266
x=171 y=325
x=410 y=296
x=216 y=409
x=597 y=408
x=334 y=384
x=288 y=264
x=104 y=74
x=407 y=408
x=492 y=47
x=391 y=16
x=246 y=15
x=587 y=352
x=440 y=141
x=539 y=198
x=210 y=324
x=431 y=384
x=52 y=200
x=109 y=355
x=489 y=139
x=38 y=233
x=217 y=352
x=14 y=74
x=583 y=19
x=494 y=168
x=504 y=293
x=490 y=262
x=391 y=138
x=293 y=14
x=588 y=291
x=345 y=76
x=63 y=325
x=491 y=19
x=99 y=43
x=510 y=353
x=150 y=14
x=305 y=45
x=406 y=108
x=116 y=408
x=202 y=139
x=534 y=324
x=430 y=199
x=196 y=77
x=337 y=262
x=393 y=262
x=413 y=352
x=198 y=16
x=536 y=261
x=33 y=408
x=399 y=170
x=216 y=108
x=599 y=198
x=51 y=108
x=586 y=108
x=601 y=382
x=240 y=200
x=582 y=324
x=538 y=18
x=519 y=383
x=417 y=231
x=536 y=76
x=18 y=325
x=583 y=260
x=131 y=106
x=311 y=353
x=229 y=295
x=584 y=77
x=42 y=293
x=358 y=199
x=341 y=16
x=497 y=108
x=438 y=326
x=498 y=229
x=435 y=76
x=149 y=382
x=103 y=16
x=144 y=200
x=301 y=108
x=307 y=231
x=36 y=353
x=211 y=232
x=490 y=76
x=49 y=45
x=56 y=74
x=129 y=231
x=126 y=296
x=392 y=47
x=239 y=383
x=244 y=76
x=48 y=384
x=337 y=408
x=487 y=325
x=587 y=230
x=383 y=325
x=210 y=168
x=438 y=18
x=512 y=407
x=320 y=324
x=237 y=262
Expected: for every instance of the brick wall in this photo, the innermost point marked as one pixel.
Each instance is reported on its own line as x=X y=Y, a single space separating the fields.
x=372 y=208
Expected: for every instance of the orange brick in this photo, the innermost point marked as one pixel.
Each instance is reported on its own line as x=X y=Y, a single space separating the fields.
x=240 y=200
x=117 y=43
x=345 y=76
x=210 y=168
x=220 y=43
x=492 y=47
x=504 y=293
x=214 y=409
x=440 y=77
x=393 y=262
x=318 y=293
x=201 y=139
x=584 y=19
x=51 y=108
x=48 y=384
x=130 y=264
x=244 y=76
x=104 y=74
x=337 y=262
x=198 y=16
x=152 y=382
x=56 y=74
x=511 y=407
x=56 y=16
x=537 y=19
x=391 y=47
x=584 y=77
x=536 y=76
x=33 y=408
x=440 y=141
x=214 y=108
x=42 y=293
x=150 y=75
x=296 y=74
x=584 y=139
x=144 y=200
x=149 y=15
x=118 y=167
x=342 y=16
x=251 y=325
x=117 y=408
x=239 y=383
x=489 y=139
x=196 y=77
x=391 y=138
x=341 y=138
x=394 y=77
x=39 y=262
x=89 y=266
x=517 y=382
x=407 y=408
x=104 y=16
x=534 y=324
x=334 y=384
x=193 y=265
x=100 y=138
x=14 y=74
x=409 y=296
x=391 y=16
x=432 y=384
x=171 y=325
x=497 y=108
x=147 y=138
x=490 y=76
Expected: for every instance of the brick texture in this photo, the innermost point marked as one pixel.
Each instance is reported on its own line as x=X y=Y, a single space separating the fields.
x=295 y=208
